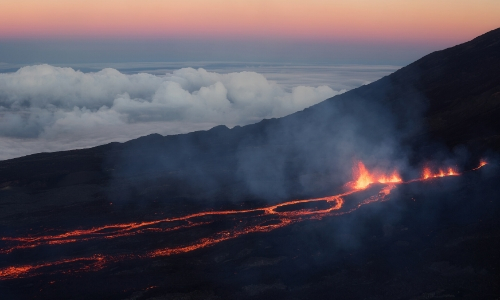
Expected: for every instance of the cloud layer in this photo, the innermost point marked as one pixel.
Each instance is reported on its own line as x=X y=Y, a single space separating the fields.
x=47 y=108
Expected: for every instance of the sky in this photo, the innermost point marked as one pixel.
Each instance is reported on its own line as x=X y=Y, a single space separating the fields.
x=421 y=20
x=338 y=31
x=76 y=74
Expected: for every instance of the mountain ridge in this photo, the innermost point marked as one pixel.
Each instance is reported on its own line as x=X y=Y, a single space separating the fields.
x=449 y=97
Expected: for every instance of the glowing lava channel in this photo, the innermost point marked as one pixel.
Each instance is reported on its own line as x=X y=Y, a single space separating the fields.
x=258 y=223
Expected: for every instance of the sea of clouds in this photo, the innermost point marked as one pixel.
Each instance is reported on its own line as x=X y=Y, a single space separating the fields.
x=48 y=108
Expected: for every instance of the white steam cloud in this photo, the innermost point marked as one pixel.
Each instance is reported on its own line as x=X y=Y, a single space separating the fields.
x=47 y=108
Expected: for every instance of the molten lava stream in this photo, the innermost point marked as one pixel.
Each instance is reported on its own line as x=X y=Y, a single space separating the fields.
x=128 y=229
x=27 y=243
x=256 y=224
x=482 y=163
x=266 y=219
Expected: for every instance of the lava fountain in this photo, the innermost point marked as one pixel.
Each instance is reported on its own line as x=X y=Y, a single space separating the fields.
x=427 y=173
x=363 y=178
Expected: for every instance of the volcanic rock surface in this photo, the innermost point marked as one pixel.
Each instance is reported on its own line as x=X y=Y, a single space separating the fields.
x=432 y=239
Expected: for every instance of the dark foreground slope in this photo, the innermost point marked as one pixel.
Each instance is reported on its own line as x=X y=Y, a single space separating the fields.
x=438 y=239
x=433 y=240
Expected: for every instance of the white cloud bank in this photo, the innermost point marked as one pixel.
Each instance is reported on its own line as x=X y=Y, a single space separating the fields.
x=47 y=108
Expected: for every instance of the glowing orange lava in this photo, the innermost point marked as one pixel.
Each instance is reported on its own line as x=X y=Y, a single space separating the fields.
x=363 y=178
x=482 y=163
x=427 y=173
x=263 y=219
x=97 y=262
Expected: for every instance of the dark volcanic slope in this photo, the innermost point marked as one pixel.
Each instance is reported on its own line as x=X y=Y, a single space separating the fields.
x=462 y=85
x=432 y=240
x=450 y=96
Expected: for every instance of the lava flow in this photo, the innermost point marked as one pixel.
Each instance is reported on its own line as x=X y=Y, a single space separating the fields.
x=482 y=163
x=247 y=221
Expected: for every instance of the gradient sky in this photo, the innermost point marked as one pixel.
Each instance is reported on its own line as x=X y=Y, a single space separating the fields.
x=295 y=19
x=221 y=24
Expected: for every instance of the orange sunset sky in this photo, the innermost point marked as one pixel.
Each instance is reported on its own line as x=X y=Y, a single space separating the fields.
x=292 y=19
x=337 y=31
